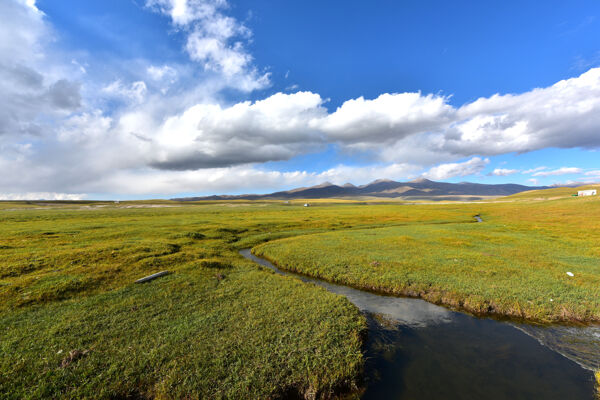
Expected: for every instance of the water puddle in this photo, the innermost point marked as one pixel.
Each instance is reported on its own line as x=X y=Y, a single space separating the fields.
x=417 y=350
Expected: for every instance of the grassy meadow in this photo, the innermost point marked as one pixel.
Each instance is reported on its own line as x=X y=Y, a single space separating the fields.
x=75 y=325
x=514 y=264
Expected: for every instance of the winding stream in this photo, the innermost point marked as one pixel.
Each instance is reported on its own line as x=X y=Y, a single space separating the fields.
x=418 y=350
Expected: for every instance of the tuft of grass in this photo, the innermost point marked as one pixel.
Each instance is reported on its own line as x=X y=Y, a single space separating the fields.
x=195 y=235
x=214 y=264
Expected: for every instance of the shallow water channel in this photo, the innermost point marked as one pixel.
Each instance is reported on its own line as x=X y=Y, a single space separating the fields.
x=418 y=350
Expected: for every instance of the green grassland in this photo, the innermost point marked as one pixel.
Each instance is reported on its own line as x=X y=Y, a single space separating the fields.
x=74 y=325
x=217 y=327
x=514 y=264
x=552 y=194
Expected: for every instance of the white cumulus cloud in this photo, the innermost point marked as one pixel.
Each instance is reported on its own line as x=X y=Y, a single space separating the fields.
x=34 y=95
x=388 y=117
x=503 y=172
x=208 y=135
x=564 y=115
x=136 y=91
x=215 y=40
x=536 y=169
x=174 y=130
x=559 y=171
x=163 y=72
x=445 y=171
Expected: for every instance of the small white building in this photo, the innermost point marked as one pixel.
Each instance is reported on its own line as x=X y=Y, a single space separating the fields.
x=587 y=192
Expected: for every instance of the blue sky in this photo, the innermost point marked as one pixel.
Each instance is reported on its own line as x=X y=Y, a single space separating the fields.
x=160 y=98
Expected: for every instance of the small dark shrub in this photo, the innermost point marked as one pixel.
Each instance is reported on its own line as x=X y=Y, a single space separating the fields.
x=195 y=235
x=214 y=264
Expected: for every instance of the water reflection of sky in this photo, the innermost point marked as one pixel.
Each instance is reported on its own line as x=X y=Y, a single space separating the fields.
x=579 y=344
x=414 y=313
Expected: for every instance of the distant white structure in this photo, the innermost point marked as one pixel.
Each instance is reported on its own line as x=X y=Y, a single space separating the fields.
x=306 y=205
x=587 y=192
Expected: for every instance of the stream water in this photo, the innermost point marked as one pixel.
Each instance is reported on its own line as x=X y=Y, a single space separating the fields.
x=418 y=350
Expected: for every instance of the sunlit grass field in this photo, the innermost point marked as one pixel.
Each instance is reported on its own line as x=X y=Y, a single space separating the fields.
x=514 y=264
x=74 y=325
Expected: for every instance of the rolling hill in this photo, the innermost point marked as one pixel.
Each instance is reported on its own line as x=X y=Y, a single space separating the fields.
x=384 y=188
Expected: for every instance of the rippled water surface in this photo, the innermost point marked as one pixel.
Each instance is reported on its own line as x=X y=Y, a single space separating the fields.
x=417 y=350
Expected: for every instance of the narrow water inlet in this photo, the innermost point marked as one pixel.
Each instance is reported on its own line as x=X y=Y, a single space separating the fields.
x=416 y=349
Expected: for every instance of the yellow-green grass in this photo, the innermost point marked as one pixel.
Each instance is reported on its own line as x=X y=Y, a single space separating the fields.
x=218 y=326
x=514 y=264
x=554 y=193
x=597 y=376
x=57 y=254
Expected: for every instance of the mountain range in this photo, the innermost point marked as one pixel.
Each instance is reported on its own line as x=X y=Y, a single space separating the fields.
x=416 y=189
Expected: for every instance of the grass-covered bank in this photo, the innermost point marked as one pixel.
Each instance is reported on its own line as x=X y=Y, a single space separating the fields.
x=514 y=264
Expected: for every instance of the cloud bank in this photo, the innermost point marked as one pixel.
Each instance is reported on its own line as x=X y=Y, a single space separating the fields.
x=57 y=133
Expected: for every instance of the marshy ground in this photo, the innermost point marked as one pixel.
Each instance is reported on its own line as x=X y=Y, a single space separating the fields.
x=75 y=325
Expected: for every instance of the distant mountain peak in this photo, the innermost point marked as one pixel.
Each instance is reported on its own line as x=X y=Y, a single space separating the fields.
x=421 y=180
x=380 y=181
x=322 y=185
x=386 y=188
